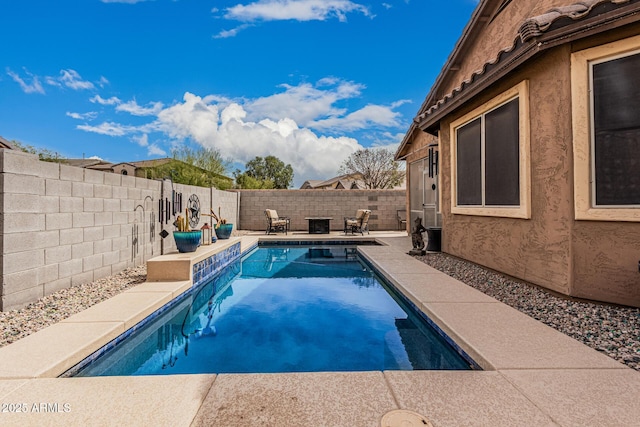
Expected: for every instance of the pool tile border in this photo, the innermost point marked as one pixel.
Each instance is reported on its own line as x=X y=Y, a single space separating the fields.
x=204 y=271
x=418 y=311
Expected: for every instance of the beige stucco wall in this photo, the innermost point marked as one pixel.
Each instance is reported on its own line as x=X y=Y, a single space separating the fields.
x=336 y=204
x=588 y=259
x=498 y=34
x=538 y=249
x=605 y=261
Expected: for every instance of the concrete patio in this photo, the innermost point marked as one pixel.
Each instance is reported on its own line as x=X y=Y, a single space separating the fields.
x=533 y=375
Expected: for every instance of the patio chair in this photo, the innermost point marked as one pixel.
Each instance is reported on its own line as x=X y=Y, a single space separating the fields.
x=401 y=216
x=359 y=223
x=276 y=223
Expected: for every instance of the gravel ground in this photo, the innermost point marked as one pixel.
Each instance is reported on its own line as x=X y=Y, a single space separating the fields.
x=610 y=329
x=16 y=324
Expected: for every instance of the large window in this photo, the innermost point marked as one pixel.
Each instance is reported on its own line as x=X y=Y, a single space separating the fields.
x=606 y=123
x=490 y=158
x=616 y=130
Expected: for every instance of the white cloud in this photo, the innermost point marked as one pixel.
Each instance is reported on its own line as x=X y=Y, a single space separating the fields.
x=298 y=10
x=91 y=115
x=369 y=116
x=303 y=125
x=103 y=81
x=33 y=87
x=304 y=103
x=224 y=34
x=229 y=130
x=109 y=128
x=69 y=78
x=100 y=100
x=133 y=108
x=52 y=81
x=154 y=150
x=142 y=140
x=72 y=79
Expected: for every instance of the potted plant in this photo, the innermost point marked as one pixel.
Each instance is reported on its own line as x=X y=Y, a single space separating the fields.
x=223 y=228
x=187 y=240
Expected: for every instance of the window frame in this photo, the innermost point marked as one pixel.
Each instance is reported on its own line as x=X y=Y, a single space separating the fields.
x=523 y=210
x=583 y=131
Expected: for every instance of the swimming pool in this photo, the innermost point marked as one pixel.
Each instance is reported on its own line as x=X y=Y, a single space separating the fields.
x=282 y=309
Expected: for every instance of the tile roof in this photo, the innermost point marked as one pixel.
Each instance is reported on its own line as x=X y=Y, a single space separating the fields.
x=84 y=163
x=556 y=26
x=5 y=144
x=530 y=29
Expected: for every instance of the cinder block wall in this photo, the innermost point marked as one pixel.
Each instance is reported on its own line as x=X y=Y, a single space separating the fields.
x=62 y=226
x=298 y=204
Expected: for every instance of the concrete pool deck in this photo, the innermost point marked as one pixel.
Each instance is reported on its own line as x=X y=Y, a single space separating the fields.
x=533 y=375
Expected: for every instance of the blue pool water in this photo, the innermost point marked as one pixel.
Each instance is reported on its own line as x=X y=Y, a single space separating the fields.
x=283 y=309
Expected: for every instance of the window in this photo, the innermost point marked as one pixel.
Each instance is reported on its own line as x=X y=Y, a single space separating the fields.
x=490 y=157
x=606 y=131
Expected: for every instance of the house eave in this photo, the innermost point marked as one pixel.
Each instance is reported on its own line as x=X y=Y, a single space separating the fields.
x=525 y=47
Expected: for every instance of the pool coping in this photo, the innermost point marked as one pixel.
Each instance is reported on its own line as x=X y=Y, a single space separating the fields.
x=552 y=378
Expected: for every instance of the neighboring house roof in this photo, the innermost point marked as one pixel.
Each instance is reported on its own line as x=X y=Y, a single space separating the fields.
x=123 y=163
x=536 y=34
x=108 y=167
x=5 y=144
x=312 y=183
x=350 y=184
x=151 y=163
x=87 y=163
x=333 y=183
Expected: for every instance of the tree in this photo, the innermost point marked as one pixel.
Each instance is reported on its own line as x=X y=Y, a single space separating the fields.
x=44 y=154
x=250 y=183
x=377 y=166
x=185 y=173
x=268 y=172
x=204 y=158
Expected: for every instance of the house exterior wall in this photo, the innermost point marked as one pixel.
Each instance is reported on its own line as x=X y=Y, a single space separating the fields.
x=537 y=250
x=419 y=151
x=497 y=34
x=589 y=259
x=336 y=204
x=124 y=169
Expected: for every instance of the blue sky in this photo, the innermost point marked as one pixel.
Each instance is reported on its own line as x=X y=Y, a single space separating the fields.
x=309 y=81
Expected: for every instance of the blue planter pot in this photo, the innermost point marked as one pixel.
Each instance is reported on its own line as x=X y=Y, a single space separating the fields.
x=224 y=231
x=187 y=241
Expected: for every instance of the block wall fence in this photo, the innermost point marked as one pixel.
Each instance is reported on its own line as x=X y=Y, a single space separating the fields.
x=336 y=204
x=62 y=226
